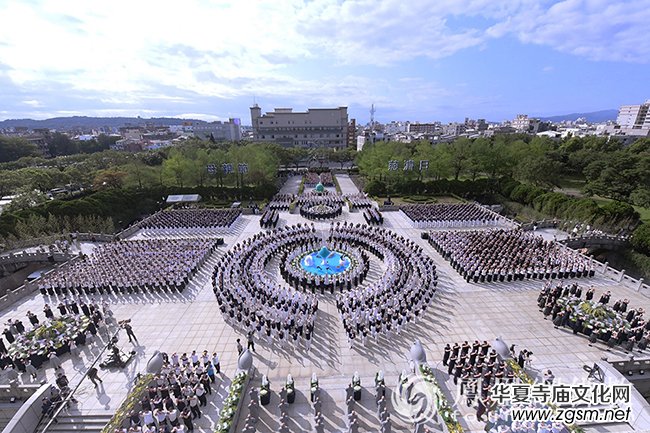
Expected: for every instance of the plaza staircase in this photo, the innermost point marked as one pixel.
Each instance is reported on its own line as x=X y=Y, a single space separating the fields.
x=91 y=423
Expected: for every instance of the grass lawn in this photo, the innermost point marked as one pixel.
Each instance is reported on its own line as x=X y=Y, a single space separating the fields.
x=525 y=214
x=643 y=211
x=572 y=183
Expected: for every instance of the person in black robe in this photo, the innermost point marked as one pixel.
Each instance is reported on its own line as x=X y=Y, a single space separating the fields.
x=447 y=354
x=85 y=309
x=604 y=299
x=33 y=319
x=62 y=309
x=521 y=359
x=19 y=326
x=451 y=364
x=9 y=336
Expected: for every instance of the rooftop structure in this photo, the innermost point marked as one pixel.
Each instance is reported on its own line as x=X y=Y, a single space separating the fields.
x=316 y=127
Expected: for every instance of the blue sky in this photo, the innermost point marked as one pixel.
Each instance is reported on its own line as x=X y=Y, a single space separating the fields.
x=415 y=60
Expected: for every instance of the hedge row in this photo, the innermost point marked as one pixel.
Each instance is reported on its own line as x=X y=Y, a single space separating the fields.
x=613 y=215
x=463 y=188
x=125 y=206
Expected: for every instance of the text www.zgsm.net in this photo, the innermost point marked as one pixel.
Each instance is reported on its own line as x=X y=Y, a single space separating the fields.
x=570 y=415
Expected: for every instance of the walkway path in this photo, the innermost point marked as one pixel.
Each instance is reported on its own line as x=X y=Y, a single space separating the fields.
x=461 y=311
x=346 y=184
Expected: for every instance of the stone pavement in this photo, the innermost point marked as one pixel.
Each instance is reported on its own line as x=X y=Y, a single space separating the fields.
x=461 y=311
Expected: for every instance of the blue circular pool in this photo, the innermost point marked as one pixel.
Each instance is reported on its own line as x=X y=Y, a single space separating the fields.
x=325 y=262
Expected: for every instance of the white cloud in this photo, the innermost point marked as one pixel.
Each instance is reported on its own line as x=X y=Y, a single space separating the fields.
x=599 y=30
x=32 y=103
x=143 y=53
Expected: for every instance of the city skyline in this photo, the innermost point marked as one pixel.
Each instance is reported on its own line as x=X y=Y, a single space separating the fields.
x=420 y=61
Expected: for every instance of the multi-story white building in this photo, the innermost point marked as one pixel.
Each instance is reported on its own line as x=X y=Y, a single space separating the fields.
x=521 y=123
x=219 y=131
x=634 y=116
x=316 y=127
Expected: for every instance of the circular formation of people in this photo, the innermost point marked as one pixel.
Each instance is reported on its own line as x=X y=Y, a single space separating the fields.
x=319 y=205
x=249 y=292
x=268 y=285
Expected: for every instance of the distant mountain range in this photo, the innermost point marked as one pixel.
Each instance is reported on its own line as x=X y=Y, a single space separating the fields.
x=83 y=122
x=87 y=123
x=592 y=117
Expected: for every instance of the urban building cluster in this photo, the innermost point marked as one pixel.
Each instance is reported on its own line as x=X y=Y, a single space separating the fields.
x=136 y=138
x=332 y=128
x=632 y=122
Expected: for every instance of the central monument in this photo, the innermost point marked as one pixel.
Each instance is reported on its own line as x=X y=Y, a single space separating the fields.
x=325 y=262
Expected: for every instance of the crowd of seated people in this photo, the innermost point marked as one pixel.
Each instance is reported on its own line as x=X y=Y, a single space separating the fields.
x=128 y=266
x=281 y=202
x=449 y=215
x=312 y=179
x=315 y=197
x=620 y=325
x=508 y=255
x=191 y=219
x=251 y=298
x=269 y=219
x=325 y=205
x=359 y=201
x=323 y=210
x=373 y=216
x=176 y=396
x=293 y=273
x=402 y=293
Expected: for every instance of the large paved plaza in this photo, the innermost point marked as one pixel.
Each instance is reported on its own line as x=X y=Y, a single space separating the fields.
x=460 y=311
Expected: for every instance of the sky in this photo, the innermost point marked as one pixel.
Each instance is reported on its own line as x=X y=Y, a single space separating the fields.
x=416 y=60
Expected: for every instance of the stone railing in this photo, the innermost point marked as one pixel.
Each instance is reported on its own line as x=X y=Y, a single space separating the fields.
x=543 y=224
x=25 y=257
x=27 y=416
x=616 y=275
x=29 y=287
x=619 y=373
x=603 y=241
x=388 y=208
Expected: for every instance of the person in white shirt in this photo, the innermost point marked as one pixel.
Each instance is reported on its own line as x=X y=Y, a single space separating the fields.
x=194 y=406
x=215 y=363
x=199 y=391
x=147 y=417
x=161 y=417
x=172 y=417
